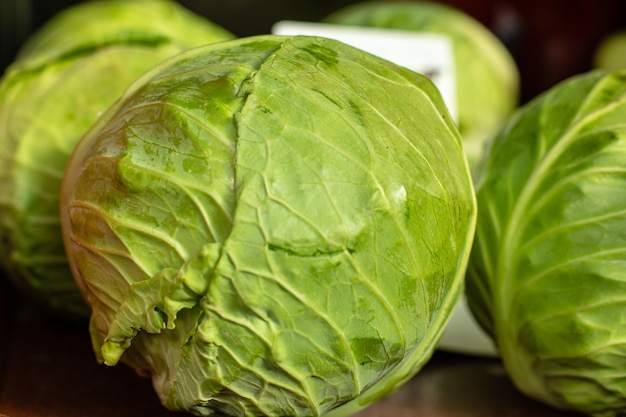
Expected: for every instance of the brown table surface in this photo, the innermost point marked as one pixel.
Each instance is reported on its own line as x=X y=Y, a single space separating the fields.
x=47 y=369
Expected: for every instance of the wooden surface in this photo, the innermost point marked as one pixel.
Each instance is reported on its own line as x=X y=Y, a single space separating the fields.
x=47 y=368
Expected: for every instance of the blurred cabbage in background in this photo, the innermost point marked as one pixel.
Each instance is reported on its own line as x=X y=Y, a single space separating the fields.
x=544 y=37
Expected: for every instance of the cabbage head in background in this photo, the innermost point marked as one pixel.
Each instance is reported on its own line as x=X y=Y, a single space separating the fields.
x=487 y=77
x=271 y=226
x=547 y=275
x=610 y=53
x=69 y=72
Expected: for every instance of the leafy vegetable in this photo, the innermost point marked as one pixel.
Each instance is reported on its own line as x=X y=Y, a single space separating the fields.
x=70 y=71
x=271 y=226
x=610 y=54
x=547 y=275
x=487 y=78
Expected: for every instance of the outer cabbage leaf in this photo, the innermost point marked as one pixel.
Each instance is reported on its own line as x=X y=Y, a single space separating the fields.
x=65 y=76
x=487 y=78
x=546 y=275
x=271 y=226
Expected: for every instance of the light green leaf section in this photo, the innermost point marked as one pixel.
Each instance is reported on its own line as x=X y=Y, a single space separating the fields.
x=487 y=79
x=271 y=226
x=546 y=274
x=65 y=76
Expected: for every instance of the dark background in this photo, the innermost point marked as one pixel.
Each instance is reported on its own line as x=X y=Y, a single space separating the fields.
x=550 y=39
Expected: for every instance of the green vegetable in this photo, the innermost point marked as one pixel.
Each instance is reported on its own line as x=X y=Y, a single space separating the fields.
x=487 y=78
x=69 y=72
x=610 y=54
x=271 y=226
x=546 y=276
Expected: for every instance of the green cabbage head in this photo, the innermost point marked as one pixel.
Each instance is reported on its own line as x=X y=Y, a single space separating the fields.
x=487 y=78
x=271 y=226
x=610 y=53
x=64 y=77
x=547 y=276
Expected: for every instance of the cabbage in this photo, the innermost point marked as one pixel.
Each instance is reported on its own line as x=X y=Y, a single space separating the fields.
x=610 y=53
x=547 y=275
x=272 y=226
x=70 y=71
x=487 y=78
